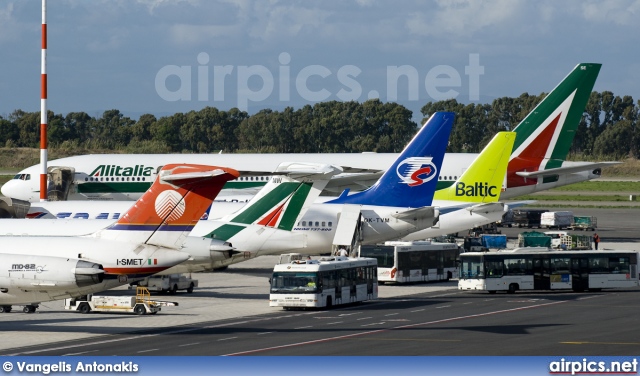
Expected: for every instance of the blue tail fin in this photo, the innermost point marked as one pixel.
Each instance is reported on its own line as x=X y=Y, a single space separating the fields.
x=411 y=180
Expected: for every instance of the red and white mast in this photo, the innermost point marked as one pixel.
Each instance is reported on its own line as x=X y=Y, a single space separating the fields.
x=43 y=107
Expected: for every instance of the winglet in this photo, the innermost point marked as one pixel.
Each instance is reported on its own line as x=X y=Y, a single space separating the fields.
x=482 y=181
x=172 y=206
x=411 y=180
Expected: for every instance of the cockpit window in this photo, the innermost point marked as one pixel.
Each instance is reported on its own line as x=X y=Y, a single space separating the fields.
x=22 y=177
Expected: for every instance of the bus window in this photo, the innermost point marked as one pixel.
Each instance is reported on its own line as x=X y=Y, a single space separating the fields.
x=493 y=268
x=619 y=265
x=517 y=266
x=598 y=265
x=560 y=265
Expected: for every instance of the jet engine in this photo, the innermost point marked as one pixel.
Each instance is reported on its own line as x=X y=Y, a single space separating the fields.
x=47 y=272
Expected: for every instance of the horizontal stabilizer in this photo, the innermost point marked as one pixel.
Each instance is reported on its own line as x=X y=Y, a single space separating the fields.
x=518 y=204
x=587 y=166
x=491 y=207
x=298 y=170
x=184 y=177
x=423 y=213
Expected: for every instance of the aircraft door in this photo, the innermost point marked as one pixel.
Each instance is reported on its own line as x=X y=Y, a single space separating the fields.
x=60 y=180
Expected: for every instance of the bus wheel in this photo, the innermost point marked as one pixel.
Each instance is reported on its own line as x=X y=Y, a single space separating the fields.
x=512 y=288
x=329 y=303
x=84 y=308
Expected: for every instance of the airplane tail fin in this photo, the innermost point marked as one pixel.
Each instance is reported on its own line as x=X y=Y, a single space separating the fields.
x=172 y=206
x=282 y=201
x=545 y=135
x=411 y=180
x=482 y=181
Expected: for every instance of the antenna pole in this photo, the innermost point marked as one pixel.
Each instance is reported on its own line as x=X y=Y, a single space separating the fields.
x=43 y=106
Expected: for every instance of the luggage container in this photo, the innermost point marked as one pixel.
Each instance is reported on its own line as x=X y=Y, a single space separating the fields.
x=534 y=239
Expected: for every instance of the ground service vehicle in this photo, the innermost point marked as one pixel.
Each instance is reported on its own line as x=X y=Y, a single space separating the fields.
x=325 y=282
x=418 y=261
x=545 y=269
x=566 y=241
x=556 y=219
x=527 y=217
x=169 y=283
x=140 y=304
x=584 y=223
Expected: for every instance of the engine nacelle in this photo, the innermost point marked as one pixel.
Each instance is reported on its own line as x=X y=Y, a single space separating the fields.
x=47 y=272
x=209 y=249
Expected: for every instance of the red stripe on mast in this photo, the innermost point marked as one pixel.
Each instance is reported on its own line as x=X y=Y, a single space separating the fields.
x=43 y=106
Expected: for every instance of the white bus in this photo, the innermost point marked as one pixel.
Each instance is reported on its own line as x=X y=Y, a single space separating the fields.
x=544 y=269
x=419 y=261
x=325 y=282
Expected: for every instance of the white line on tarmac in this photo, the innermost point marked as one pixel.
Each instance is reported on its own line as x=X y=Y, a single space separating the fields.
x=394 y=328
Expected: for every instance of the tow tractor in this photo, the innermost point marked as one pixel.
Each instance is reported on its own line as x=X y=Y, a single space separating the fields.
x=140 y=304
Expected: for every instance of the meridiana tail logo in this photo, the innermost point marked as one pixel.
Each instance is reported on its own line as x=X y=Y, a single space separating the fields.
x=415 y=171
x=170 y=203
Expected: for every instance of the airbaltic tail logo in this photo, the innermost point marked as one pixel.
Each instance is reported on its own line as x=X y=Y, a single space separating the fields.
x=165 y=204
x=114 y=170
x=415 y=171
x=478 y=189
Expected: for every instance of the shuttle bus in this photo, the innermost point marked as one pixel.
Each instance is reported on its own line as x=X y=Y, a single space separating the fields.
x=418 y=261
x=545 y=269
x=325 y=282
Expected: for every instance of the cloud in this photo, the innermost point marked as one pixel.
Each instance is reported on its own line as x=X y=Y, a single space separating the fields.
x=462 y=17
x=616 y=12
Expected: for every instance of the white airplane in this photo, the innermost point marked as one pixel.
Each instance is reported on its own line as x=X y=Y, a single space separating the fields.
x=144 y=241
x=537 y=162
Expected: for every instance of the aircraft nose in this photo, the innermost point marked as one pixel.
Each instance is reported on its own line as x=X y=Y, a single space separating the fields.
x=12 y=189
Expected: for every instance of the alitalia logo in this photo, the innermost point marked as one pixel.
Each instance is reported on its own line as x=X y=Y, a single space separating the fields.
x=115 y=170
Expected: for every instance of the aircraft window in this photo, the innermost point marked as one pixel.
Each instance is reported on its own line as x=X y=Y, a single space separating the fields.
x=439 y=177
x=86 y=179
x=17 y=177
x=317 y=224
x=304 y=223
x=144 y=179
x=27 y=177
x=330 y=224
x=117 y=179
x=101 y=179
x=323 y=224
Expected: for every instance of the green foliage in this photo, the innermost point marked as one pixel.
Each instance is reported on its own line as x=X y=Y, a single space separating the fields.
x=608 y=128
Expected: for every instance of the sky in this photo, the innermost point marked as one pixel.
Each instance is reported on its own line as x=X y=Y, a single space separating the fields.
x=169 y=56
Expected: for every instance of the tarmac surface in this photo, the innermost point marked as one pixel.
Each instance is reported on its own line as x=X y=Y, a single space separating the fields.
x=240 y=292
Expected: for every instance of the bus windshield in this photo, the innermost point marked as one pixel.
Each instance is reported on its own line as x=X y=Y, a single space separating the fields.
x=298 y=282
x=384 y=255
x=472 y=267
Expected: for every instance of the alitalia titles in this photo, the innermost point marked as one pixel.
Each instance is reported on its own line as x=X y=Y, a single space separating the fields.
x=115 y=170
x=478 y=189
